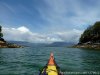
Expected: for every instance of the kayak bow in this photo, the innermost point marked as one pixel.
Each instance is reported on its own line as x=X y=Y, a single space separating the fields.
x=51 y=67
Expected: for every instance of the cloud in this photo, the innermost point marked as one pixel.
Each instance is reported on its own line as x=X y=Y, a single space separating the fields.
x=70 y=36
x=24 y=34
x=50 y=15
x=69 y=14
x=48 y=20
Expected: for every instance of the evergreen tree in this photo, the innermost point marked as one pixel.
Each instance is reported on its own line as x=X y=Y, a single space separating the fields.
x=1 y=34
x=91 y=34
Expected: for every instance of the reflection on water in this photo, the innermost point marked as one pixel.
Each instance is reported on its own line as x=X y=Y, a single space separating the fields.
x=28 y=61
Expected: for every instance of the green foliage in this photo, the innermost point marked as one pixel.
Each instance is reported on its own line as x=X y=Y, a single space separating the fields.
x=96 y=28
x=91 y=34
x=0 y=28
x=1 y=35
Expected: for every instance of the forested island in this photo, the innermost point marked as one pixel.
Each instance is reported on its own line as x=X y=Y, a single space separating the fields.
x=5 y=44
x=90 y=37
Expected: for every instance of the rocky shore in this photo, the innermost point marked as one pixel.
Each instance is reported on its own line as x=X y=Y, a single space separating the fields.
x=89 y=46
x=4 y=44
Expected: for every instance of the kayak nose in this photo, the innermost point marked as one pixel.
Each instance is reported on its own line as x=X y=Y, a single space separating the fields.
x=51 y=54
x=51 y=60
x=51 y=67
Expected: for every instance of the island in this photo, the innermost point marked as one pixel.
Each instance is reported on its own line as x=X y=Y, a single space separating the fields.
x=5 y=44
x=90 y=37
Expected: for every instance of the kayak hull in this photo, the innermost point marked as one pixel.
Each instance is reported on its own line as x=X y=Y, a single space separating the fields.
x=51 y=67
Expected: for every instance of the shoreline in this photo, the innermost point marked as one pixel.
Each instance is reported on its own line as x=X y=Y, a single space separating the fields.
x=9 y=45
x=88 y=46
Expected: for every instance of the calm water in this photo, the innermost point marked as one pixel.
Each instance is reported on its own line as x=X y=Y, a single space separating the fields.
x=28 y=61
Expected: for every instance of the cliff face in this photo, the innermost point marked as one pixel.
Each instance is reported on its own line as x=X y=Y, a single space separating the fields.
x=91 y=34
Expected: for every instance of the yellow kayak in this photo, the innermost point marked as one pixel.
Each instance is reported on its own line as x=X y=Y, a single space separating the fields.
x=51 y=67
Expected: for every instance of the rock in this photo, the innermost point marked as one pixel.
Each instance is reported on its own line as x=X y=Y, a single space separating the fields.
x=9 y=45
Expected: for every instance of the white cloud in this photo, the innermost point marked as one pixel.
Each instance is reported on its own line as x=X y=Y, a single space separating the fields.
x=24 y=34
x=70 y=36
x=23 y=29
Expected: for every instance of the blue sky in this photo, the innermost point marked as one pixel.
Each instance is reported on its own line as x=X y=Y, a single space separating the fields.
x=47 y=20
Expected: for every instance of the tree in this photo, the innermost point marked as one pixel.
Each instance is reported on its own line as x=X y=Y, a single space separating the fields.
x=0 y=28
x=1 y=34
x=91 y=34
x=96 y=28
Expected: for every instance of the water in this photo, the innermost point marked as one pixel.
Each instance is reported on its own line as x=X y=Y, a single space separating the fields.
x=28 y=61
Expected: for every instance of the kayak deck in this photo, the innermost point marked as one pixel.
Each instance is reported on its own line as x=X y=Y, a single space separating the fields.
x=51 y=67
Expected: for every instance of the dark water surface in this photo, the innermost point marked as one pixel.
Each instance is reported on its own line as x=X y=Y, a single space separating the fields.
x=28 y=61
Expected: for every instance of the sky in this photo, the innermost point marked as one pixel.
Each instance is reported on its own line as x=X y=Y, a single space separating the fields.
x=47 y=21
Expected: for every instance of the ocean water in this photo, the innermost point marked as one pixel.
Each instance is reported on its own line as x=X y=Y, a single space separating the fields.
x=28 y=60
